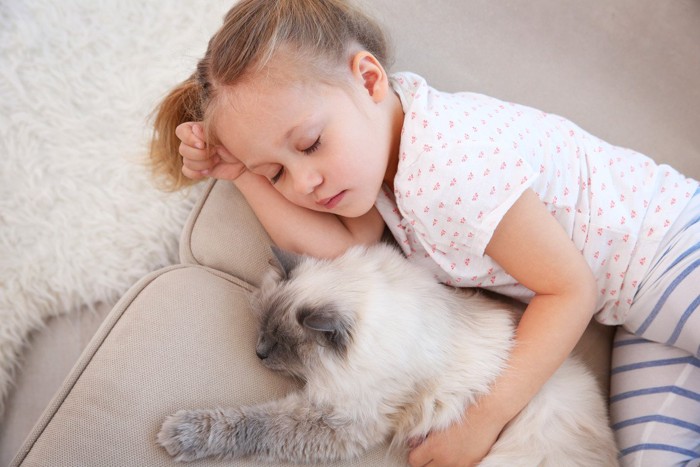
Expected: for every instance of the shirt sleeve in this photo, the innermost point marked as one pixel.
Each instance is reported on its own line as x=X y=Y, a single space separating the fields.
x=458 y=198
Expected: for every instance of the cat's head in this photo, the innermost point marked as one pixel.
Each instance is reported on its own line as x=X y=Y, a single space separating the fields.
x=307 y=313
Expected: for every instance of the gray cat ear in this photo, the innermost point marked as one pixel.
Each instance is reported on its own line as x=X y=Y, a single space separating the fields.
x=286 y=260
x=333 y=325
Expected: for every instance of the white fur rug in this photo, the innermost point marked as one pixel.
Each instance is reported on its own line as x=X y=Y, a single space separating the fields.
x=80 y=221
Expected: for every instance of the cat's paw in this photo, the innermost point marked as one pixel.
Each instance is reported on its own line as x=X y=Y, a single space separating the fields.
x=186 y=434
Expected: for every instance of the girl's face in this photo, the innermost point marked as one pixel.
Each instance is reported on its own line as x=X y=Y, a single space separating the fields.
x=323 y=147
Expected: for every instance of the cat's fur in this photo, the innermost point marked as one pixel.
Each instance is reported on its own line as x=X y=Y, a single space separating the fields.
x=387 y=353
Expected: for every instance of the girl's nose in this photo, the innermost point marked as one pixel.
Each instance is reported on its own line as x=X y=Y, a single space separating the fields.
x=306 y=180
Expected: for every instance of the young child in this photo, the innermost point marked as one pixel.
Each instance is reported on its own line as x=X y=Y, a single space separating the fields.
x=292 y=102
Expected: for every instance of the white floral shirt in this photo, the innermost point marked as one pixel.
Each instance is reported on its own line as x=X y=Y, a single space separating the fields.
x=465 y=158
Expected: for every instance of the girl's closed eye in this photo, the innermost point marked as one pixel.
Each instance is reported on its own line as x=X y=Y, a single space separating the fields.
x=275 y=178
x=311 y=149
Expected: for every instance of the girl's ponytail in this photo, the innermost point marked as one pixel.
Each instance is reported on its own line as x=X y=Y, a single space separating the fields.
x=182 y=104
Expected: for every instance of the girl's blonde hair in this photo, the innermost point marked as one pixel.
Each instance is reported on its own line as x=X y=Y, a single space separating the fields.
x=318 y=32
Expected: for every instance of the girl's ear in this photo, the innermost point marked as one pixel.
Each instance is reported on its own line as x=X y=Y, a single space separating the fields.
x=371 y=74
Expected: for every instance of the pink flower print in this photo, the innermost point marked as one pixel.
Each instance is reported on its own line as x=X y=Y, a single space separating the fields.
x=425 y=124
x=427 y=148
x=462 y=220
x=436 y=187
x=453 y=182
x=475 y=197
x=458 y=201
x=503 y=165
x=413 y=115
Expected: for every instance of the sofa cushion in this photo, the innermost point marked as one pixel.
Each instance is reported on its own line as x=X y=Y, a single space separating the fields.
x=183 y=337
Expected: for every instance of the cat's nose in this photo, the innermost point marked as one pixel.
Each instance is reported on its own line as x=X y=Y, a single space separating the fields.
x=263 y=350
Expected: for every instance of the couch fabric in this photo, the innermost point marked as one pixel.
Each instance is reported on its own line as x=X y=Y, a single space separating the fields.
x=626 y=70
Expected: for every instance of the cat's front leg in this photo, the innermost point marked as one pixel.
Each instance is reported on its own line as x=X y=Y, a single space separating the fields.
x=188 y=435
x=290 y=429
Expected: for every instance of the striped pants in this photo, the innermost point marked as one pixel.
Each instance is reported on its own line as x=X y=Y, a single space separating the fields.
x=655 y=378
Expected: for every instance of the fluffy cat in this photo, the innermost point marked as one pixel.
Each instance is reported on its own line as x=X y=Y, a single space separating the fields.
x=388 y=354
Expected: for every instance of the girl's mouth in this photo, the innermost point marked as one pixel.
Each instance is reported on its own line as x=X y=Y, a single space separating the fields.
x=330 y=203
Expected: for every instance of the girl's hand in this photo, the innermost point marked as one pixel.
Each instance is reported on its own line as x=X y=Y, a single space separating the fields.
x=463 y=444
x=198 y=161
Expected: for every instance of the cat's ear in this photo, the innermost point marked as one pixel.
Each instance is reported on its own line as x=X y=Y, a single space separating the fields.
x=335 y=327
x=286 y=260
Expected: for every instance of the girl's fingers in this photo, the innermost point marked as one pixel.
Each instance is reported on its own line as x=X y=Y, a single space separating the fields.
x=200 y=165
x=193 y=174
x=191 y=134
x=191 y=153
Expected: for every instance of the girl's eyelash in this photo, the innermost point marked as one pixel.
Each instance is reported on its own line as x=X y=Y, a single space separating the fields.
x=313 y=147
x=277 y=176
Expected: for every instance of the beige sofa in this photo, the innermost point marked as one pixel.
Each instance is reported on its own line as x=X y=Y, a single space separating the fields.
x=626 y=70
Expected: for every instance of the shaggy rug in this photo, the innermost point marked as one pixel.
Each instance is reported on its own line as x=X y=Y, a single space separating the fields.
x=80 y=220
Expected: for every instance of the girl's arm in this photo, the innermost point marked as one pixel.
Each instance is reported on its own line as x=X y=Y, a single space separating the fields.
x=533 y=248
x=302 y=230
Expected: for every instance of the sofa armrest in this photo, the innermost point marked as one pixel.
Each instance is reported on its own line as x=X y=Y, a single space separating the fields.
x=223 y=233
